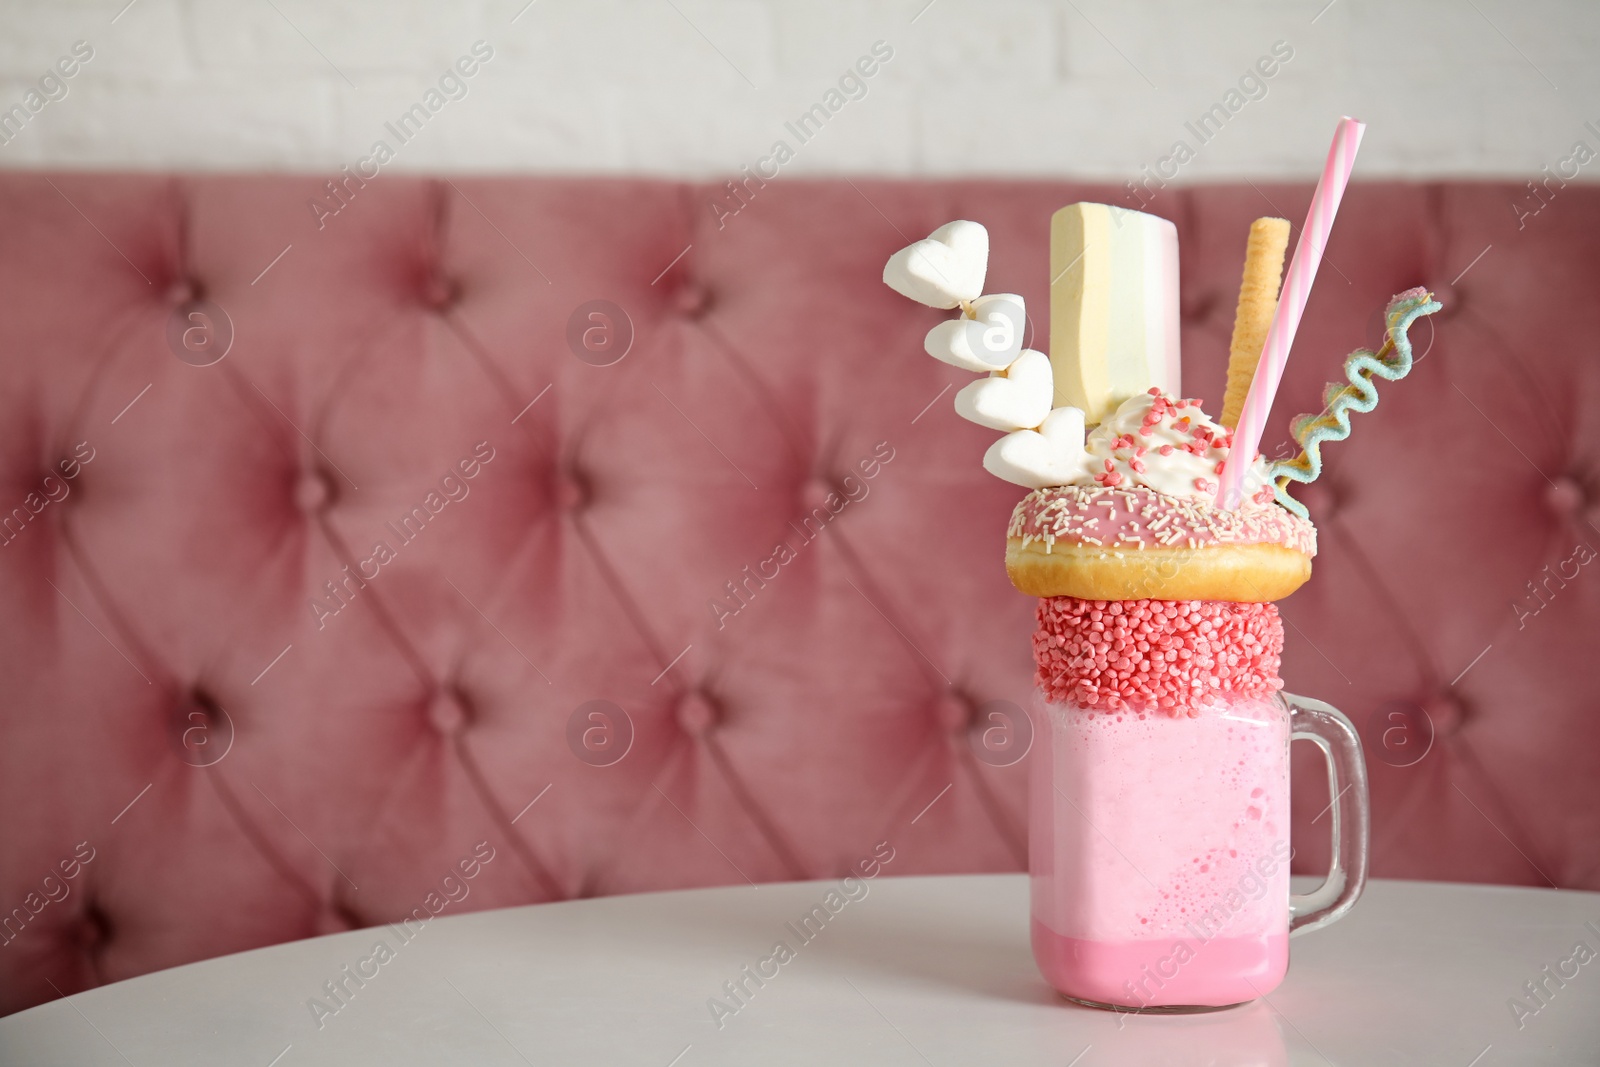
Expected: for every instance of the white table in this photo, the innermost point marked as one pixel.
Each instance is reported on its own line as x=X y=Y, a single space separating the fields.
x=919 y=971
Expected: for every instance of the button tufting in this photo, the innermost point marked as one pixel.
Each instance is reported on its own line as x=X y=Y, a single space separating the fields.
x=1199 y=305
x=440 y=293
x=448 y=712
x=312 y=491
x=183 y=291
x=1447 y=714
x=1449 y=296
x=572 y=491
x=202 y=730
x=814 y=493
x=692 y=299
x=55 y=480
x=954 y=713
x=93 y=931
x=1565 y=496
x=334 y=919
x=696 y=714
x=1401 y=732
x=1319 y=498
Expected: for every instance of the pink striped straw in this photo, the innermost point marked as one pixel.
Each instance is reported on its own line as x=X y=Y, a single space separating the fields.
x=1291 y=305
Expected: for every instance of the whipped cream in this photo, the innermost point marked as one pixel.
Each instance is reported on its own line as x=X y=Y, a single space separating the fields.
x=1167 y=445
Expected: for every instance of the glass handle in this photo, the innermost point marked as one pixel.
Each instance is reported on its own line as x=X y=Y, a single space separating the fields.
x=1325 y=727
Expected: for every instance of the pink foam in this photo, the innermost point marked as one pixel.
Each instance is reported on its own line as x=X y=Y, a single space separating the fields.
x=1152 y=828
x=1151 y=832
x=1158 y=973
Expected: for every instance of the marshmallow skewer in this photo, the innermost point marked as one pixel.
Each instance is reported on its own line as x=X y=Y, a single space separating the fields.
x=1258 y=300
x=946 y=270
x=1016 y=398
x=986 y=337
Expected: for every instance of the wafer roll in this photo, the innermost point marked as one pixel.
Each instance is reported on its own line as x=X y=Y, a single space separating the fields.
x=1258 y=300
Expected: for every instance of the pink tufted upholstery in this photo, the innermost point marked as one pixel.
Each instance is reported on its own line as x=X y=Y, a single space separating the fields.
x=768 y=363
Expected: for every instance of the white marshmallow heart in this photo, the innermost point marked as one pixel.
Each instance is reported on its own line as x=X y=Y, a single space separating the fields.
x=1051 y=455
x=945 y=268
x=1017 y=398
x=985 y=343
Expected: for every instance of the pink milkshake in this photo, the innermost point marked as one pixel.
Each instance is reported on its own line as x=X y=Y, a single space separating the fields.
x=1156 y=541
x=1160 y=853
x=1159 y=788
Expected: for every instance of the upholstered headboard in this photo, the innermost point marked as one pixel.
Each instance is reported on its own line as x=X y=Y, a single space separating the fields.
x=564 y=500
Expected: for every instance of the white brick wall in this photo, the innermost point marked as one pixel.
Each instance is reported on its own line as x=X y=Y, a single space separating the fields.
x=1092 y=88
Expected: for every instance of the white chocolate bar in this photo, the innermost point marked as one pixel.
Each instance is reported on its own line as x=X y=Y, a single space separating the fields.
x=1113 y=306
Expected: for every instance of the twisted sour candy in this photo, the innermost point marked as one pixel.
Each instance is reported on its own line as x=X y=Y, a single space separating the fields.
x=1391 y=362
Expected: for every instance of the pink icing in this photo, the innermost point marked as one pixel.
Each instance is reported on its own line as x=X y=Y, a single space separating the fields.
x=1139 y=517
x=1171 y=655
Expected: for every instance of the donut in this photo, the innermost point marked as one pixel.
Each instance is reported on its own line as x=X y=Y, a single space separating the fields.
x=1111 y=543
